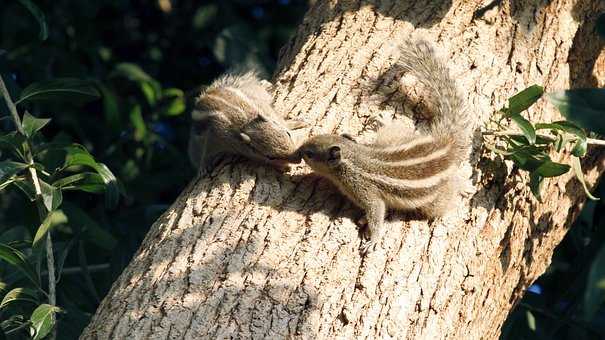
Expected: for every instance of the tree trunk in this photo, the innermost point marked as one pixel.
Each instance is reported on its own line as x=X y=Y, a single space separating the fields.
x=248 y=252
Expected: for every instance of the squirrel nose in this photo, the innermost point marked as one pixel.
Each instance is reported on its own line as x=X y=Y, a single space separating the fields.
x=295 y=157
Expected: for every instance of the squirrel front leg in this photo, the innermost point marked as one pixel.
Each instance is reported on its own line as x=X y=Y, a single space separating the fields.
x=375 y=213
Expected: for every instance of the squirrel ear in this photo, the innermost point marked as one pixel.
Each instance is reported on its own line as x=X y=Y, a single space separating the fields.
x=245 y=138
x=294 y=124
x=348 y=136
x=262 y=118
x=334 y=155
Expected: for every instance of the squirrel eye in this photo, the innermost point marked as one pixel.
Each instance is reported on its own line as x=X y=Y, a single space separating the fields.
x=288 y=132
x=262 y=118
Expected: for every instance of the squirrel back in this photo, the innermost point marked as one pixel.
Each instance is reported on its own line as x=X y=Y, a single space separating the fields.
x=402 y=169
x=234 y=115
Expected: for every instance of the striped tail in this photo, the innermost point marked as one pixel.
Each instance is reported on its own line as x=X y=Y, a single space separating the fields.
x=419 y=58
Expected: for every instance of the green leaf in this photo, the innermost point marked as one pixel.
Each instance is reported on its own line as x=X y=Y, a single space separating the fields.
x=16 y=258
x=132 y=72
x=78 y=155
x=28 y=189
x=498 y=150
x=149 y=92
x=31 y=124
x=173 y=102
x=112 y=192
x=577 y=169
x=594 y=294
x=136 y=118
x=39 y=15
x=43 y=320
x=584 y=107
x=174 y=107
x=528 y=158
x=17 y=233
x=204 y=15
x=19 y=294
x=562 y=125
x=10 y=168
x=51 y=196
x=68 y=89
x=579 y=149
x=84 y=181
x=13 y=142
x=536 y=184
x=52 y=219
x=524 y=99
x=531 y=320
x=525 y=126
x=552 y=169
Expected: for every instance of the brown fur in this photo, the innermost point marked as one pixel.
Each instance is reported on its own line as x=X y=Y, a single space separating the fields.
x=401 y=170
x=234 y=115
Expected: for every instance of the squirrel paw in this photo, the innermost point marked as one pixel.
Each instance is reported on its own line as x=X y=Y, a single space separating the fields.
x=468 y=189
x=367 y=247
x=378 y=122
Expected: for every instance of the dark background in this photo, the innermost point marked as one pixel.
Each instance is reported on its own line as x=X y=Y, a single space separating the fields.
x=148 y=58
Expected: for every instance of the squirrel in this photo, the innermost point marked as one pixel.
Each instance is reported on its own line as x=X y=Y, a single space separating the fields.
x=234 y=115
x=402 y=170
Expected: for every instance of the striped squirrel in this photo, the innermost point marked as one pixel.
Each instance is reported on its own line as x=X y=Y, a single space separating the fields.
x=402 y=169
x=234 y=115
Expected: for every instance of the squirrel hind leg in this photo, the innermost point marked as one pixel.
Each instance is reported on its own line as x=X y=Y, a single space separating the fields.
x=445 y=201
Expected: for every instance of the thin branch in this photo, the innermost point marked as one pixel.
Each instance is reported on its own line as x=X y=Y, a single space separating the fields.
x=11 y=106
x=76 y=270
x=21 y=326
x=42 y=212
x=509 y=133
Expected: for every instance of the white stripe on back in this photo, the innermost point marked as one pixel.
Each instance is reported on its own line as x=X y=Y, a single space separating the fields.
x=403 y=184
x=402 y=147
x=419 y=160
x=227 y=104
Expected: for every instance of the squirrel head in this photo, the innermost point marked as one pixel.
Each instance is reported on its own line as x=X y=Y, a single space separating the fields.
x=324 y=153
x=268 y=138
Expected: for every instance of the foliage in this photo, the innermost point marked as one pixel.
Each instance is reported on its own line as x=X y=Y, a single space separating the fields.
x=114 y=79
x=26 y=166
x=111 y=79
x=530 y=151
x=568 y=301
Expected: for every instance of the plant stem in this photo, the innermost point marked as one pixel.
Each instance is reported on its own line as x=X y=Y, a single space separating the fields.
x=42 y=212
x=11 y=106
x=509 y=133
x=21 y=326
x=77 y=270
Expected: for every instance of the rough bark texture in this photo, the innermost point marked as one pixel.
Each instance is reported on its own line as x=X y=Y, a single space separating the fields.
x=248 y=252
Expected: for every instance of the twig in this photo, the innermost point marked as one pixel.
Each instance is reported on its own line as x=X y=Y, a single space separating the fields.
x=76 y=270
x=11 y=106
x=42 y=212
x=548 y=137
x=21 y=326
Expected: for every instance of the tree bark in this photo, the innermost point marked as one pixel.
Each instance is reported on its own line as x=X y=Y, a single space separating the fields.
x=248 y=252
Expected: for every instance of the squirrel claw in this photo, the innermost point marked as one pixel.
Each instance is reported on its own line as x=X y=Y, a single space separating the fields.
x=367 y=247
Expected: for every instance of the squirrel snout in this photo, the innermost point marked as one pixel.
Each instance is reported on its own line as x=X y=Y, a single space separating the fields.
x=295 y=157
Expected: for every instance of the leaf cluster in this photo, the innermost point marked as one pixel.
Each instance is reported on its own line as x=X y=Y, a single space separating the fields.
x=531 y=149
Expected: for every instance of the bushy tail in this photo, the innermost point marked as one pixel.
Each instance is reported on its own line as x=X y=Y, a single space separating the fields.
x=450 y=117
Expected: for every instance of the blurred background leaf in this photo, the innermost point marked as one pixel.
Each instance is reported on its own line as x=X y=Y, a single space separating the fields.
x=117 y=79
